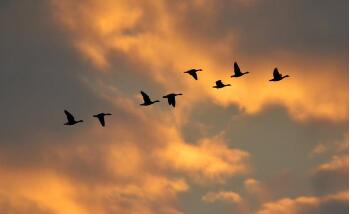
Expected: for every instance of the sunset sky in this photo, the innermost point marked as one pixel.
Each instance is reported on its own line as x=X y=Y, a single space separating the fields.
x=257 y=147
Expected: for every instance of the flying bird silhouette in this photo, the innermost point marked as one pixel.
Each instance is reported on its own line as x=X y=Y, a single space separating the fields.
x=277 y=76
x=146 y=100
x=171 y=98
x=70 y=119
x=101 y=118
x=193 y=73
x=237 y=71
x=219 y=84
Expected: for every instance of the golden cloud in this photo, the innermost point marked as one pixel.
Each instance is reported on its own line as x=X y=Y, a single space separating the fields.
x=43 y=187
x=303 y=204
x=123 y=171
x=256 y=189
x=149 y=34
x=211 y=197
x=209 y=160
x=337 y=163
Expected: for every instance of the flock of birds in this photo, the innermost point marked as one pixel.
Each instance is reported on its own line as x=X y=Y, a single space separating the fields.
x=277 y=76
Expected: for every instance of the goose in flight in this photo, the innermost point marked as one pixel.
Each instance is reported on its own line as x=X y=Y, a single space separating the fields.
x=146 y=100
x=219 y=84
x=277 y=76
x=101 y=118
x=237 y=71
x=193 y=73
x=70 y=119
x=171 y=98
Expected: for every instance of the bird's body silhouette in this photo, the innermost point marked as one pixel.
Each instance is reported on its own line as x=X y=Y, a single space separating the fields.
x=146 y=100
x=219 y=84
x=277 y=76
x=171 y=98
x=237 y=71
x=193 y=73
x=70 y=119
x=101 y=118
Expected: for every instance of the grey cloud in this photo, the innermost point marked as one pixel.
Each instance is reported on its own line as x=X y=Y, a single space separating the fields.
x=266 y=26
x=327 y=181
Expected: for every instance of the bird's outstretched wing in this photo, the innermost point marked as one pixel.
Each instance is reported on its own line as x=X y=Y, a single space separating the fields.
x=236 y=69
x=276 y=74
x=69 y=116
x=145 y=97
x=102 y=120
x=169 y=101
x=172 y=101
x=218 y=82
x=194 y=75
x=191 y=70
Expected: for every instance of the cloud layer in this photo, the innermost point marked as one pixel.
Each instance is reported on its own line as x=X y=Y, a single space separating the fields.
x=243 y=145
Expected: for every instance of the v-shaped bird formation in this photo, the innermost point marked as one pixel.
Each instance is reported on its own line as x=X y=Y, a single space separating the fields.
x=277 y=76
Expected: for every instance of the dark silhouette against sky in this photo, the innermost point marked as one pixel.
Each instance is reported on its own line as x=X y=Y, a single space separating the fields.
x=71 y=120
x=219 y=84
x=147 y=100
x=277 y=76
x=101 y=118
x=171 y=98
x=193 y=73
x=237 y=71
x=257 y=147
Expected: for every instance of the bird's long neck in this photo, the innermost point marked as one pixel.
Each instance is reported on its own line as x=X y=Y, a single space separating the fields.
x=246 y=72
x=285 y=76
x=79 y=121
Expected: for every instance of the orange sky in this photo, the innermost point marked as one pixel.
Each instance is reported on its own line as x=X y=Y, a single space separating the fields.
x=255 y=147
